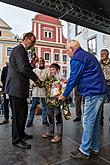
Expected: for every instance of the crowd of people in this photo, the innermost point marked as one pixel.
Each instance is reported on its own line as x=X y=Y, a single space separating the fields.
x=89 y=78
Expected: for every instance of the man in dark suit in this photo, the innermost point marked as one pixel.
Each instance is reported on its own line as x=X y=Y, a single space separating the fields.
x=5 y=97
x=17 y=86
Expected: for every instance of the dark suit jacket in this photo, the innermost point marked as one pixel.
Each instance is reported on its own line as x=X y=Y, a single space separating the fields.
x=19 y=73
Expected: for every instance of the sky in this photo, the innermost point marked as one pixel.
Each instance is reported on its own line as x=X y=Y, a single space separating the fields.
x=20 y=19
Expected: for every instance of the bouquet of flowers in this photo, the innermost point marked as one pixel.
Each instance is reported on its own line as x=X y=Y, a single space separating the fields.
x=56 y=90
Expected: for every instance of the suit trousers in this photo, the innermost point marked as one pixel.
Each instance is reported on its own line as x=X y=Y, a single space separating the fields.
x=19 y=116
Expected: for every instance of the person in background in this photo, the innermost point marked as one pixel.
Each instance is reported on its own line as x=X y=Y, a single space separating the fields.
x=17 y=87
x=78 y=100
x=39 y=94
x=5 y=96
x=105 y=65
x=86 y=73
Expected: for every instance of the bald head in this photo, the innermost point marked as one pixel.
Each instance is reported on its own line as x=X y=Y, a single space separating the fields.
x=72 y=46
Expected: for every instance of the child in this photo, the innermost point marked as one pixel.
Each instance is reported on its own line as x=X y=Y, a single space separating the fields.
x=53 y=90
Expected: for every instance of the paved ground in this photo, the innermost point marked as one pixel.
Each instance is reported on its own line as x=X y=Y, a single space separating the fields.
x=43 y=152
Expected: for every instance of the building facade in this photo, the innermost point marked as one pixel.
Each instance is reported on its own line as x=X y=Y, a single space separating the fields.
x=50 y=43
x=90 y=40
x=7 y=42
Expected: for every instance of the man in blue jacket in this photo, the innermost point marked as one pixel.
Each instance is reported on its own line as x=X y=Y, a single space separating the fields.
x=86 y=73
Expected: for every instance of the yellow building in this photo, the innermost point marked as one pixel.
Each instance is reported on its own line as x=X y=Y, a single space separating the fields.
x=7 y=41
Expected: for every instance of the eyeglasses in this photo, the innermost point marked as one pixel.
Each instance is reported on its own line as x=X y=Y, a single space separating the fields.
x=33 y=41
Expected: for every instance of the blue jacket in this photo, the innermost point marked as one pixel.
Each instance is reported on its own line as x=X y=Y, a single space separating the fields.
x=86 y=73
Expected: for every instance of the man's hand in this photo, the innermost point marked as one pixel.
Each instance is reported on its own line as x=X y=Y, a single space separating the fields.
x=61 y=97
x=38 y=81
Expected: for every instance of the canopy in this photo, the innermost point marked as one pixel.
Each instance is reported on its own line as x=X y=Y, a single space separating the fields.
x=94 y=14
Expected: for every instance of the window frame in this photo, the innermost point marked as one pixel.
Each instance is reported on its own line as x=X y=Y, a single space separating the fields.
x=8 y=52
x=47 y=32
x=45 y=56
x=58 y=57
x=92 y=50
x=64 y=72
x=77 y=30
x=64 y=55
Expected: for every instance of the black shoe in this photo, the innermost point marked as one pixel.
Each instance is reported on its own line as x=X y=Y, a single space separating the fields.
x=23 y=145
x=77 y=119
x=45 y=123
x=29 y=124
x=27 y=137
x=79 y=155
x=5 y=121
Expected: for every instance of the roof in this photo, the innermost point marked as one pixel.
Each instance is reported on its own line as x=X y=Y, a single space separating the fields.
x=48 y=19
x=94 y=14
x=4 y=25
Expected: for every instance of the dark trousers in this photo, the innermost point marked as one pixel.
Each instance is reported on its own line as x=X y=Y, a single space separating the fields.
x=19 y=116
x=78 y=100
x=6 y=107
x=54 y=115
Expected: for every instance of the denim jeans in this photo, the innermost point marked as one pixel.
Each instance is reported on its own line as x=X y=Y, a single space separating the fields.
x=35 y=101
x=91 y=124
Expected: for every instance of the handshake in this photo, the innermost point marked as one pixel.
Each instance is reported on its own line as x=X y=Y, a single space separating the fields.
x=38 y=82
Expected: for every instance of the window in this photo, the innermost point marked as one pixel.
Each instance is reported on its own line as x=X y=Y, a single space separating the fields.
x=47 y=34
x=47 y=56
x=9 y=49
x=65 y=72
x=56 y=57
x=1 y=51
x=77 y=30
x=50 y=34
x=92 y=45
x=64 y=58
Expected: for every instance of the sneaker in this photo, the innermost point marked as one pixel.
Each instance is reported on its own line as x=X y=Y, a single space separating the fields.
x=94 y=152
x=29 y=124
x=79 y=155
x=56 y=139
x=47 y=135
